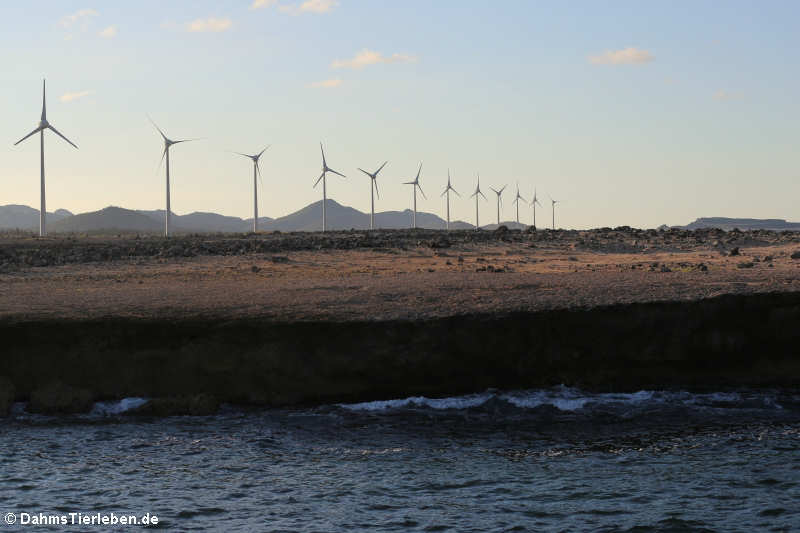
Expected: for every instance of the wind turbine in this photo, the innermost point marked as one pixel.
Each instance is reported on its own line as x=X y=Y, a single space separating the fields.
x=516 y=201
x=447 y=192
x=498 y=193
x=43 y=125
x=256 y=174
x=325 y=170
x=554 y=202
x=533 y=203
x=475 y=194
x=415 y=185
x=165 y=154
x=373 y=190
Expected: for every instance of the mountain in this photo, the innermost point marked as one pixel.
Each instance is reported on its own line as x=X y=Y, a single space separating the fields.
x=727 y=224
x=110 y=218
x=341 y=217
x=24 y=217
x=199 y=222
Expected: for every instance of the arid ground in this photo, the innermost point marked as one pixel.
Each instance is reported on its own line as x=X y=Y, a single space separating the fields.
x=384 y=275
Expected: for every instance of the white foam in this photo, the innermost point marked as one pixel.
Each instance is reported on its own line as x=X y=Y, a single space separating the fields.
x=115 y=408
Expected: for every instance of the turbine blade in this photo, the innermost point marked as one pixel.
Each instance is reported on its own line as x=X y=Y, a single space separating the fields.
x=444 y=192
x=243 y=155
x=323 y=155
x=494 y=190
x=376 y=188
x=190 y=140
x=163 y=154
x=409 y=183
x=37 y=130
x=381 y=167
x=156 y=126
x=318 y=179
x=484 y=196
x=418 y=171
x=44 y=101
x=59 y=134
x=455 y=191
x=258 y=172
x=365 y=172
x=420 y=190
x=262 y=151
x=337 y=173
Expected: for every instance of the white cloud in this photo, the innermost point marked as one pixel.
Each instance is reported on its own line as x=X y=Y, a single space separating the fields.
x=210 y=24
x=368 y=57
x=722 y=95
x=309 y=6
x=260 y=4
x=326 y=84
x=626 y=56
x=71 y=97
x=82 y=15
x=108 y=32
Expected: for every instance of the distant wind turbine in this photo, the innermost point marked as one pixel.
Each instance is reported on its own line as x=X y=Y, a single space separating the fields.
x=498 y=193
x=554 y=202
x=256 y=175
x=325 y=170
x=415 y=185
x=534 y=201
x=475 y=194
x=516 y=201
x=373 y=189
x=165 y=154
x=43 y=125
x=447 y=192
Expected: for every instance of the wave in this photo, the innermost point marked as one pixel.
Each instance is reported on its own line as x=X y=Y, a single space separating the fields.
x=571 y=399
x=116 y=408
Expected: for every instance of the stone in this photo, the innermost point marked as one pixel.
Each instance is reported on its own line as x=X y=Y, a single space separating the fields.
x=57 y=398
x=734 y=251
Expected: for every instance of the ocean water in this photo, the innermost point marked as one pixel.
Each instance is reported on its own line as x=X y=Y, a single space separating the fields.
x=539 y=460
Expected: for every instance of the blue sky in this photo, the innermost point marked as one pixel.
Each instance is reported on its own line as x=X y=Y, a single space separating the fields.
x=632 y=113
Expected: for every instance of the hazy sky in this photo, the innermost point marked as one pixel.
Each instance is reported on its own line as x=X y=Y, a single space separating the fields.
x=637 y=113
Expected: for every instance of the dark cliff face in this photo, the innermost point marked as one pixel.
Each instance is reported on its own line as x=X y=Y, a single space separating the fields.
x=751 y=340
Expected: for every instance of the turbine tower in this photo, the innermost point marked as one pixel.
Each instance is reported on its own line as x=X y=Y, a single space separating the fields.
x=554 y=202
x=256 y=175
x=373 y=189
x=517 y=198
x=533 y=203
x=475 y=194
x=43 y=125
x=325 y=170
x=498 y=193
x=447 y=192
x=415 y=185
x=165 y=154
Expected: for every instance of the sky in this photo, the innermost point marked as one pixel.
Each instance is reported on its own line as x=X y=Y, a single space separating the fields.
x=630 y=113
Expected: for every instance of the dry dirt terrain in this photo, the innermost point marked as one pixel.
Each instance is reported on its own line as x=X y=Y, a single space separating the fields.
x=394 y=275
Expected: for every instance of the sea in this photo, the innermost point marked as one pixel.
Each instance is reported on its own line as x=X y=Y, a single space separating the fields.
x=558 y=459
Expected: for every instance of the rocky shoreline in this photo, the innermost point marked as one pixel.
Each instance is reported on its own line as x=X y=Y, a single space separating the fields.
x=413 y=313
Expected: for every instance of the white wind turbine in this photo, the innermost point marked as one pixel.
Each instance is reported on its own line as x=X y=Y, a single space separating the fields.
x=516 y=201
x=475 y=194
x=415 y=185
x=256 y=175
x=373 y=189
x=165 y=154
x=447 y=192
x=533 y=203
x=498 y=193
x=325 y=170
x=43 y=125
x=554 y=202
